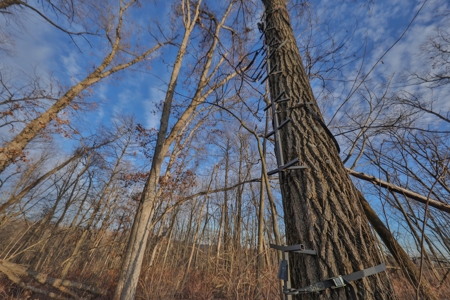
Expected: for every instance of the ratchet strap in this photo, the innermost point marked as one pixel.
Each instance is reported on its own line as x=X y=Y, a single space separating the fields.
x=338 y=282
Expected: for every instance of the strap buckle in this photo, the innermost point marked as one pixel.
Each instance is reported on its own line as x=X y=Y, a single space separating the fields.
x=338 y=282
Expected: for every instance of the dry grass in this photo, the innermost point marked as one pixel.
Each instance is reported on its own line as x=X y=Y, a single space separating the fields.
x=231 y=276
x=200 y=284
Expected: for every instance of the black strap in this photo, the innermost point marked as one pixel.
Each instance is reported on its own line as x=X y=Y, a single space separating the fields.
x=350 y=289
x=324 y=126
x=338 y=282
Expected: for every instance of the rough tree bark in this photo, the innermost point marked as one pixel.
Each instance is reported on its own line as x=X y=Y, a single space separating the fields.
x=321 y=205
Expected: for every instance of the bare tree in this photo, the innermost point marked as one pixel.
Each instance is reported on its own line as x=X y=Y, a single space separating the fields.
x=321 y=206
x=207 y=83
x=118 y=58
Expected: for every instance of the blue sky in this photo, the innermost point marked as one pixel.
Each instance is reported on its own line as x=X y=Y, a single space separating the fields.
x=376 y=27
x=43 y=50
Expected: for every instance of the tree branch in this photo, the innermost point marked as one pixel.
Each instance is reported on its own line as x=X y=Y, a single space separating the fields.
x=394 y=188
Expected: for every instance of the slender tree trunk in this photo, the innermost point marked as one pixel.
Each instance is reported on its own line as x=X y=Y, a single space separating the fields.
x=54 y=228
x=238 y=216
x=70 y=261
x=108 y=193
x=131 y=266
x=416 y=227
x=159 y=239
x=259 y=254
x=321 y=205
x=194 y=242
x=71 y=230
x=236 y=243
x=43 y=232
x=226 y=238
x=273 y=208
x=261 y=219
x=169 y=238
x=438 y=228
x=110 y=207
x=15 y=197
x=219 y=238
x=128 y=279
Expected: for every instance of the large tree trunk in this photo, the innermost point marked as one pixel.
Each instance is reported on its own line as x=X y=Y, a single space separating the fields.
x=321 y=206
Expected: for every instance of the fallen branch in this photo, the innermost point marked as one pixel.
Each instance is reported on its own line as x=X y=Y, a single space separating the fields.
x=43 y=278
x=14 y=272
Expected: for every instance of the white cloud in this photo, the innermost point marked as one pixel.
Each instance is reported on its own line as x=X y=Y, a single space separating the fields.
x=151 y=113
x=71 y=65
x=32 y=52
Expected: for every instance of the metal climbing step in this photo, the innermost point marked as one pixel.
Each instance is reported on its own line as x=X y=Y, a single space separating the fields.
x=271 y=72
x=278 y=99
x=279 y=127
x=283 y=267
x=287 y=166
x=300 y=248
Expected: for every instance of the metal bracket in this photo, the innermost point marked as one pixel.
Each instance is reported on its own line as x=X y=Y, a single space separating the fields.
x=279 y=127
x=267 y=107
x=279 y=96
x=282 y=100
x=271 y=72
x=283 y=270
x=275 y=50
x=300 y=248
x=287 y=166
x=338 y=281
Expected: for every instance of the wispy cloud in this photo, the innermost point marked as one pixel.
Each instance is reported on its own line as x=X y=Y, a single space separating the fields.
x=152 y=113
x=32 y=47
x=71 y=66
